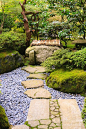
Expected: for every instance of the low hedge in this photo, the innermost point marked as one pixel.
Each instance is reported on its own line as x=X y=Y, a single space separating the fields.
x=4 y=123
x=84 y=112
x=13 y=41
x=68 y=81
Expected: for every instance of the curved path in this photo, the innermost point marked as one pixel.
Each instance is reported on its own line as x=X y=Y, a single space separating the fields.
x=44 y=112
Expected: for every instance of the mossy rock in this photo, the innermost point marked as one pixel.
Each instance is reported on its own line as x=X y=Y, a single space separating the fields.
x=4 y=124
x=68 y=81
x=84 y=112
x=10 y=60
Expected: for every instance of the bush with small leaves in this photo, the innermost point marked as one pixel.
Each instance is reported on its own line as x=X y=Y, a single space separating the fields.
x=13 y=41
x=66 y=59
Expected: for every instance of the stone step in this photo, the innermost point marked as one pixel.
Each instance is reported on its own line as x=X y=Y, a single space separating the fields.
x=37 y=76
x=38 y=93
x=34 y=69
x=33 y=83
x=44 y=114
x=54 y=114
x=70 y=114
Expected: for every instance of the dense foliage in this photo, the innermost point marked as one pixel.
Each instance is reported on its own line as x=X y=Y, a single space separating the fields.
x=68 y=81
x=12 y=40
x=4 y=124
x=84 y=112
x=66 y=59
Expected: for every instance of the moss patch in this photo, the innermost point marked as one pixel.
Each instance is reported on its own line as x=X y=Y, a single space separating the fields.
x=68 y=81
x=10 y=60
x=4 y=124
x=84 y=113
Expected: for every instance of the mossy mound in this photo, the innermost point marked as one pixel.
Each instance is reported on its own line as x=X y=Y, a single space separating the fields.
x=68 y=81
x=10 y=60
x=84 y=112
x=4 y=124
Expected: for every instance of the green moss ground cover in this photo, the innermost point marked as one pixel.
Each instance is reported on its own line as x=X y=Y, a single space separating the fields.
x=84 y=113
x=4 y=123
x=68 y=81
x=10 y=60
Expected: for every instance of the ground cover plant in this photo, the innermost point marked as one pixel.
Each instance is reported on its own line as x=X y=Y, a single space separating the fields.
x=66 y=59
x=84 y=112
x=4 y=123
x=68 y=81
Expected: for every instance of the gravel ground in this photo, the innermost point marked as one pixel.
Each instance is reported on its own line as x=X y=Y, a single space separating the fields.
x=16 y=103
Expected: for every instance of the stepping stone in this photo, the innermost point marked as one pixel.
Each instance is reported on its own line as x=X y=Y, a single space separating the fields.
x=34 y=69
x=39 y=109
x=37 y=76
x=20 y=127
x=32 y=83
x=70 y=114
x=38 y=93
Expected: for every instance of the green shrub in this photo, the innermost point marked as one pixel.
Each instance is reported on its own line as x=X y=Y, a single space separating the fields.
x=84 y=112
x=4 y=124
x=68 y=81
x=66 y=59
x=12 y=40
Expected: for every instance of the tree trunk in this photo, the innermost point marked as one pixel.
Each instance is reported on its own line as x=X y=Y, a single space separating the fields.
x=25 y=20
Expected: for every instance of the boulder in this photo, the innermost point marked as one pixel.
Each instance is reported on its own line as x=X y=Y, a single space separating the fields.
x=40 y=53
x=10 y=60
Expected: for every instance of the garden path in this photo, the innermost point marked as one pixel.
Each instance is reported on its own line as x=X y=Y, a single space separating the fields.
x=47 y=113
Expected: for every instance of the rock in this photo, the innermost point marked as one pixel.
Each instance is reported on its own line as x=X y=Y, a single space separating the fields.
x=29 y=69
x=38 y=93
x=10 y=61
x=33 y=123
x=70 y=114
x=37 y=76
x=32 y=83
x=56 y=120
x=42 y=127
x=20 y=127
x=32 y=57
x=41 y=53
x=34 y=69
x=45 y=122
x=41 y=110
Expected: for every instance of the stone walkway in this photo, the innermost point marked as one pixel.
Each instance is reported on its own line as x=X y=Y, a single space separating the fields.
x=47 y=113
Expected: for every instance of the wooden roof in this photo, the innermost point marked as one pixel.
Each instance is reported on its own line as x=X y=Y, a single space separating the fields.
x=79 y=41
x=54 y=42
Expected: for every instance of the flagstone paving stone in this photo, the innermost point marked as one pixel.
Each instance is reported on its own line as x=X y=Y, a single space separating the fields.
x=38 y=112
x=37 y=76
x=20 y=127
x=42 y=127
x=45 y=122
x=70 y=114
x=32 y=83
x=39 y=109
x=33 y=123
x=34 y=69
x=38 y=93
